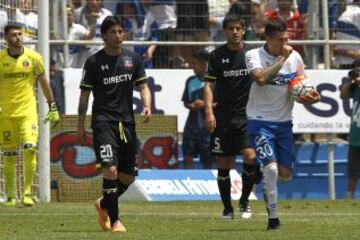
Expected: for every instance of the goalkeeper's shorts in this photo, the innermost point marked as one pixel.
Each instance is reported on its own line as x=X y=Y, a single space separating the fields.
x=14 y=131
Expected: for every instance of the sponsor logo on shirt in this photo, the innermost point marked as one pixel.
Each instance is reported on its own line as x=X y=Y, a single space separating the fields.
x=16 y=75
x=225 y=60
x=236 y=73
x=104 y=67
x=117 y=79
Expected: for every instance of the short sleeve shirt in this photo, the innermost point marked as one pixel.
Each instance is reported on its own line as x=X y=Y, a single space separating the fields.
x=272 y=102
x=111 y=80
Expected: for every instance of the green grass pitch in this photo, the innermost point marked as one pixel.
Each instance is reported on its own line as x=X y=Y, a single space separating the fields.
x=303 y=219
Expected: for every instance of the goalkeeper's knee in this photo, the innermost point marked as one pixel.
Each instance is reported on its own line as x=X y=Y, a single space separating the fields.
x=29 y=150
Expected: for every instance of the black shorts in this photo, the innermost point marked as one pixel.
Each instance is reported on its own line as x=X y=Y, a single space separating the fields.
x=112 y=150
x=230 y=136
x=353 y=161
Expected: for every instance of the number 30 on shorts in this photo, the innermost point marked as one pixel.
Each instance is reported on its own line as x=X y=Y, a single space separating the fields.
x=263 y=148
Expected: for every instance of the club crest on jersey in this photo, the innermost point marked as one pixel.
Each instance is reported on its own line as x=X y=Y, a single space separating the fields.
x=104 y=67
x=128 y=62
x=25 y=63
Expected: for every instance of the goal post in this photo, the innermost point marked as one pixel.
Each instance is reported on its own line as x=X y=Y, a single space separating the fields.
x=44 y=131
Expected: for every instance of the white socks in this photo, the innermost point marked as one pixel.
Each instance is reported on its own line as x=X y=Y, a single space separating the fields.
x=270 y=177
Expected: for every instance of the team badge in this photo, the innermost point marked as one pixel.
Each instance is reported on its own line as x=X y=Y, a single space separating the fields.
x=25 y=63
x=128 y=62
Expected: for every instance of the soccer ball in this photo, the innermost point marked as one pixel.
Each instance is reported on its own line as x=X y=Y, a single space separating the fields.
x=300 y=86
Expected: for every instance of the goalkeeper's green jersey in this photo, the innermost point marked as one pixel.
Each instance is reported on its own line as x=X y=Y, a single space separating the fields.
x=17 y=83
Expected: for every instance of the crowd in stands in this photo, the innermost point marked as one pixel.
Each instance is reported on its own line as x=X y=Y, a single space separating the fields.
x=182 y=21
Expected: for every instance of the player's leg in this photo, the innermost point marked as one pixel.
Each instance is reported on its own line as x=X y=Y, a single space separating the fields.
x=206 y=158
x=29 y=136
x=248 y=176
x=222 y=148
x=225 y=164
x=105 y=147
x=126 y=165
x=353 y=167
x=188 y=148
x=262 y=135
x=249 y=168
x=9 y=140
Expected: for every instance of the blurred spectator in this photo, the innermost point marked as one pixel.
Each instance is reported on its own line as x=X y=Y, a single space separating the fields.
x=348 y=28
x=75 y=32
x=57 y=86
x=351 y=89
x=164 y=12
x=295 y=22
x=77 y=3
x=192 y=25
x=91 y=16
x=196 y=138
x=21 y=13
x=139 y=28
x=253 y=15
x=217 y=12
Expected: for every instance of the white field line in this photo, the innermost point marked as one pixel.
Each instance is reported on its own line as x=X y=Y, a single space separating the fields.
x=181 y=214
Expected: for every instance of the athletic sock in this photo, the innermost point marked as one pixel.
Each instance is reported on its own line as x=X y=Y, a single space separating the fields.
x=121 y=187
x=111 y=199
x=9 y=174
x=224 y=185
x=270 y=173
x=29 y=169
x=247 y=182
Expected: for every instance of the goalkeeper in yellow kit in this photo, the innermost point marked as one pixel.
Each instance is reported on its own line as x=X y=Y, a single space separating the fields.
x=20 y=69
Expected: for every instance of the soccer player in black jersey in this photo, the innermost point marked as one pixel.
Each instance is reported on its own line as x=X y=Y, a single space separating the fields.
x=110 y=74
x=227 y=70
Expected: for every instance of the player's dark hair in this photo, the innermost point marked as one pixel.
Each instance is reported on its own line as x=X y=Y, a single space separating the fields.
x=201 y=55
x=11 y=26
x=274 y=26
x=233 y=18
x=108 y=22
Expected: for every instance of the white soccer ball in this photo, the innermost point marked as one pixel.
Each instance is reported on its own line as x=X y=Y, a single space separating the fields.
x=300 y=86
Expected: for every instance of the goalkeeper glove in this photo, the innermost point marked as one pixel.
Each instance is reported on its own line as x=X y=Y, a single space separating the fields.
x=52 y=115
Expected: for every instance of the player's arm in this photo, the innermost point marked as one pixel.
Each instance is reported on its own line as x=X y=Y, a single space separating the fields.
x=351 y=53
x=195 y=105
x=146 y=100
x=45 y=86
x=82 y=108
x=266 y=75
x=209 y=103
x=53 y=114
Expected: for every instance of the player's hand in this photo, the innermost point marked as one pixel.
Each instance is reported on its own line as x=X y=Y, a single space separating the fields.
x=146 y=113
x=210 y=122
x=310 y=98
x=53 y=115
x=286 y=51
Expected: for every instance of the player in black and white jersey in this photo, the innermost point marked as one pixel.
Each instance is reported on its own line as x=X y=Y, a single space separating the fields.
x=227 y=70
x=110 y=74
